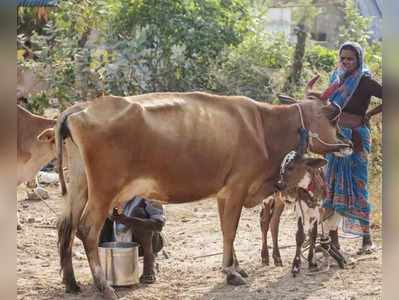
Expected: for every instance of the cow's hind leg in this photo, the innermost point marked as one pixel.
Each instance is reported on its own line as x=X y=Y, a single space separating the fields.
x=275 y=223
x=300 y=237
x=65 y=241
x=89 y=229
x=264 y=228
x=229 y=212
x=67 y=225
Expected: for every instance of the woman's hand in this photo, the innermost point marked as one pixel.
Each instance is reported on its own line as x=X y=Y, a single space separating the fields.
x=117 y=214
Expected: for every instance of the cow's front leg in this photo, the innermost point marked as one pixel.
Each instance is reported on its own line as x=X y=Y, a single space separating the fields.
x=300 y=237
x=274 y=226
x=229 y=212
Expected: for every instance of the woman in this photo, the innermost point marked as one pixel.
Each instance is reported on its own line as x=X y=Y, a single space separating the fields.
x=347 y=177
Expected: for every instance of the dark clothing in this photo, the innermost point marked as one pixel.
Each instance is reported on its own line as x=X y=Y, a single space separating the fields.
x=360 y=100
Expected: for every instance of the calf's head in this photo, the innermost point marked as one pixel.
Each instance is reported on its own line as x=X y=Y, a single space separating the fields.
x=297 y=171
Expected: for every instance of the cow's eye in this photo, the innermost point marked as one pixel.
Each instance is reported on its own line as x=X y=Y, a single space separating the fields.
x=290 y=168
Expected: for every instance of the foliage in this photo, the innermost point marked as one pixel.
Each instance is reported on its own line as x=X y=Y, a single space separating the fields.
x=255 y=68
x=169 y=45
x=319 y=58
x=373 y=59
x=31 y=19
x=136 y=46
x=356 y=27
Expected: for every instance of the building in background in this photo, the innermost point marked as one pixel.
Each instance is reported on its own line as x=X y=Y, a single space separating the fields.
x=326 y=25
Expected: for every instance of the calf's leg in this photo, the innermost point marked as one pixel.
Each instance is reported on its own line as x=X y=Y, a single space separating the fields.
x=274 y=226
x=313 y=235
x=264 y=228
x=300 y=237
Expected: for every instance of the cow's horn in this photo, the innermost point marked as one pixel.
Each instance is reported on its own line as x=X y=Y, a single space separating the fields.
x=310 y=84
x=329 y=91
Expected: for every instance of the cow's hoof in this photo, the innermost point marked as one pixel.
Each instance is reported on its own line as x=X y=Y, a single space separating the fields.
x=265 y=257
x=235 y=279
x=278 y=262
x=242 y=273
x=341 y=263
x=109 y=294
x=295 y=271
x=72 y=288
x=265 y=262
x=147 y=279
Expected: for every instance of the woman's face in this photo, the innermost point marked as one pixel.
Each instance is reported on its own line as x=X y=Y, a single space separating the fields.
x=348 y=60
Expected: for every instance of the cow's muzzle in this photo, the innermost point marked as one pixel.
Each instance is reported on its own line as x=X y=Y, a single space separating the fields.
x=345 y=150
x=280 y=186
x=347 y=147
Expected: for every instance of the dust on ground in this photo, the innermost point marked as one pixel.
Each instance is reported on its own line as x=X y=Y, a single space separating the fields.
x=193 y=267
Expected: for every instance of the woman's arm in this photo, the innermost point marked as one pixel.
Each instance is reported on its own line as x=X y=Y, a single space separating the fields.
x=376 y=90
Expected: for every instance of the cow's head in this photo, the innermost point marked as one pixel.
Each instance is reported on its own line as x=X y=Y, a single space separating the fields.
x=321 y=120
x=47 y=138
x=298 y=171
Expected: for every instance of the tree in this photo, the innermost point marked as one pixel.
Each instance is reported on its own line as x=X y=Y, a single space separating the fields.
x=169 y=45
x=304 y=13
x=356 y=27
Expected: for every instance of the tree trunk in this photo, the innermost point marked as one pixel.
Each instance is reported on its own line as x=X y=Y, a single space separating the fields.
x=293 y=79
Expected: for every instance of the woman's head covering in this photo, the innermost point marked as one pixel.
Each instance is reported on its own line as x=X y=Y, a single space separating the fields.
x=348 y=85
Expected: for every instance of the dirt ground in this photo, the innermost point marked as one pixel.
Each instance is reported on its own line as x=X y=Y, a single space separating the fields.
x=193 y=267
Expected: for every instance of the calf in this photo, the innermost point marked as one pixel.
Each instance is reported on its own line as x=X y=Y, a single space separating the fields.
x=304 y=186
x=35 y=145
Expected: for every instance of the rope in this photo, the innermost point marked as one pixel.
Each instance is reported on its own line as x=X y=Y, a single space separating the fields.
x=340 y=111
x=300 y=115
x=41 y=198
x=316 y=135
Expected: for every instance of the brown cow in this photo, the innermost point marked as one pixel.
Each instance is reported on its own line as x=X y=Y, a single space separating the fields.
x=35 y=145
x=178 y=148
x=145 y=229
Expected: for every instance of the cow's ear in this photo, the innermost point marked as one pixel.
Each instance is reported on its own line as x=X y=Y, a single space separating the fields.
x=315 y=162
x=47 y=135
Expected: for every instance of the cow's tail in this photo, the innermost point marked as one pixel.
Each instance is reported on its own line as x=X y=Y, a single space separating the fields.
x=64 y=225
x=65 y=236
x=63 y=133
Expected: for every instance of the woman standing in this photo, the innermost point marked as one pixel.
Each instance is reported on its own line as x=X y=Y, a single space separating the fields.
x=347 y=177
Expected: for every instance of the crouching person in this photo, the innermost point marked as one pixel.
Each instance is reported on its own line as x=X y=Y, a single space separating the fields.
x=140 y=221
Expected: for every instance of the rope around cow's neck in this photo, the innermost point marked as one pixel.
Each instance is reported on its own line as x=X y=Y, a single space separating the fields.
x=312 y=134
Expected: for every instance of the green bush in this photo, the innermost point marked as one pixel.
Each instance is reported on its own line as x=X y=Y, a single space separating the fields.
x=319 y=58
x=255 y=68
